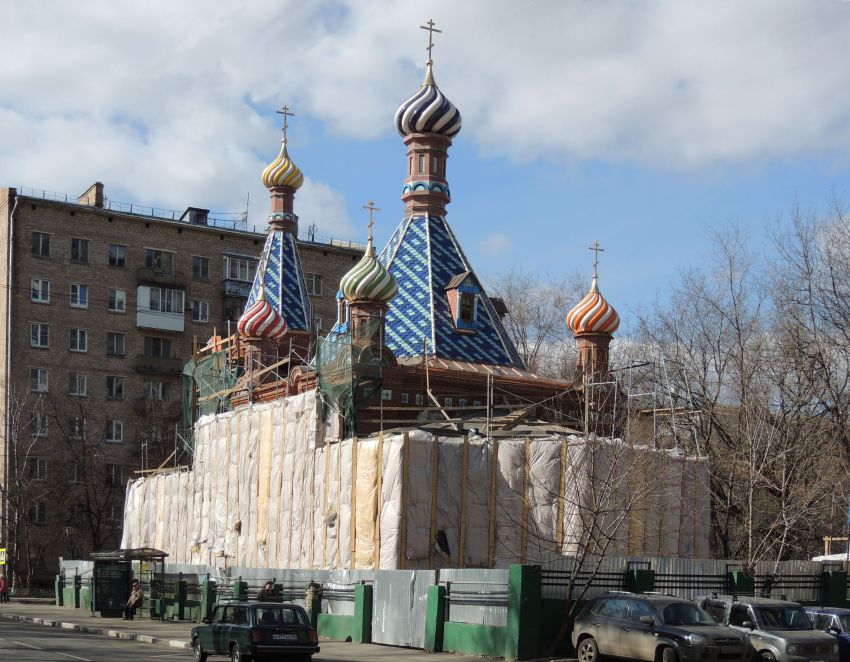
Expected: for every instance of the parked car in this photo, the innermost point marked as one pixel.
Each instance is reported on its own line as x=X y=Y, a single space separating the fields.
x=777 y=630
x=256 y=630
x=834 y=621
x=653 y=627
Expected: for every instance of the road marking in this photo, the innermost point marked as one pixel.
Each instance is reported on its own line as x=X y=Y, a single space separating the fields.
x=74 y=657
x=21 y=643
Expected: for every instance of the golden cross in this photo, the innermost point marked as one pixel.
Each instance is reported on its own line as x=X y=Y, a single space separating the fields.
x=372 y=208
x=286 y=114
x=596 y=250
x=431 y=30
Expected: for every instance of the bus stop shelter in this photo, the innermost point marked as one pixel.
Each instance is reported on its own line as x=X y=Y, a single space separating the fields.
x=111 y=578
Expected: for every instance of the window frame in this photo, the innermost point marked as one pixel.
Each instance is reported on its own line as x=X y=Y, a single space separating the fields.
x=113 y=298
x=114 y=387
x=80 y=288
x=38 y=374
x=201 y=268
x=161 y=342
x=41 y=236
x=111 y=338
x=77 y=332
x=76 y=427
x=120 y=259
x=40 y=464
x=82 y=250
x=197 y=305
x=43 y=330
x=251 y=265
x=113 y=425
x=39 y=507
x=154 y=256
x=166 y=300
x=39 y=424
x=313 y=283
x=75 y=376
x=39 y=290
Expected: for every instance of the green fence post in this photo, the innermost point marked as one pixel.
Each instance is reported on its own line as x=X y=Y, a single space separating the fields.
x=208 y=595
x=435 y=619
x=522 y=636
x=75 y=592
x=240 y=589
x=741 y=583
x=834 y=588
x=362 y=629
x=59 y=590
x=180 y=599
x=640 y=580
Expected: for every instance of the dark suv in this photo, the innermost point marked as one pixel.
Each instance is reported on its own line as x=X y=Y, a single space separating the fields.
x=256 y=630
x=776 y=629
x=653 y=627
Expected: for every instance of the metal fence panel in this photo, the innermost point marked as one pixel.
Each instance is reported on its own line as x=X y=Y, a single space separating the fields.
x=476 y=595
x=399 y=604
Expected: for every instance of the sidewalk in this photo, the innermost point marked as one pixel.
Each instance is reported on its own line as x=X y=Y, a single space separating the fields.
x=168 y=633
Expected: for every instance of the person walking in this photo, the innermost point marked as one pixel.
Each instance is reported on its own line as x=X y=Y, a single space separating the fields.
x=4 y=589
x=134 y=601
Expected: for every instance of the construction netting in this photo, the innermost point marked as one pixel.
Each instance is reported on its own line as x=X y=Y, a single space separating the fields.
x=207 y=385
x=267 y=490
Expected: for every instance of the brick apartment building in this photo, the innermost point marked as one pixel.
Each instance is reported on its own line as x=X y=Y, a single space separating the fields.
x=101 y=308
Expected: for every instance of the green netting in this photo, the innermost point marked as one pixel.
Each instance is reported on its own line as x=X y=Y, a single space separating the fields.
x=206 y=387
x=349 y=369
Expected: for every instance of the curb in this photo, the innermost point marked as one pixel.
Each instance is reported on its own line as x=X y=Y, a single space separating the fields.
x=106 y=632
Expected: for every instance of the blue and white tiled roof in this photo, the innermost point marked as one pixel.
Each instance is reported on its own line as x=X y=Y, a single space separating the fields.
x=423 y=255
x=280 y=271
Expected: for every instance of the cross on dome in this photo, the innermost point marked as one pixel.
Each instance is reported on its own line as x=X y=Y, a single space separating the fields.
x=286 y=114
x=597 y=249
x=431 y=30
x=372 y=208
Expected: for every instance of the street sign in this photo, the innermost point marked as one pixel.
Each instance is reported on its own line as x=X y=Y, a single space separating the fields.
x=2 y=556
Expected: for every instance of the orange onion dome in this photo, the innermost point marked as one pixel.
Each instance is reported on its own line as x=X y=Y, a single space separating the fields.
x=261 y=321
x=593 y=314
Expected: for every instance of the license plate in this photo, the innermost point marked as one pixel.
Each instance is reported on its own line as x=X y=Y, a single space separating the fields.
x=285 y=637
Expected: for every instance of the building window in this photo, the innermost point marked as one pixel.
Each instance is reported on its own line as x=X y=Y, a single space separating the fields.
x=160 y=261
x=38 y=380
x=78 y=340
x=40 y=244
x=37 y=468
x=461 y=402
x=114 y=474
x=114 y=431
x=435 y=161
x=77 y=384
x=76 y=427
x=117 y=256
x=79 y=249
x=448 y=402
x=421 y=163
x=313 y=283
x=117 y=300
x=37 y=513
x=166 y=301
x=38 y=424
x=40 y=290
x=114 y=387
x=158 y=347
x=116 y=513
x=79 y=295
x=405 y=398
x=317 y=322
x=467 y=308
x=200 y=268
x=39 y=335
x=420 y=398
x=386 y=394
x=156 y=390
x=200 y=311
x=239 y=268
x=73 y=472
x=115 y=343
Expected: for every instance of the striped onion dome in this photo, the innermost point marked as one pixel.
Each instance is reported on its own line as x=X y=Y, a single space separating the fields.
x=282 y=171
x=261 y=321
x=428 y=111
x=368 y=280
x=593 y=314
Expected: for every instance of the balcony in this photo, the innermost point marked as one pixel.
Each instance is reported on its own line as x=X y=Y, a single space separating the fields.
x=157 y=365
x=237 y=288
x=150 y=276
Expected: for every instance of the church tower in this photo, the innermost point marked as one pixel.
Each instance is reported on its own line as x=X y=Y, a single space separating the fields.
x=278 y=309
x=593 y=321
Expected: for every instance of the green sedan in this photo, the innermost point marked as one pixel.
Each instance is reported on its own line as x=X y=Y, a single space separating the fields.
x=256 y=631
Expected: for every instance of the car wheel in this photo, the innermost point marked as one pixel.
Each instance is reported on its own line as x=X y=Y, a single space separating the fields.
x=669 y=655
x=588 y=651
x=236 y=654
x=197 y=651
x=766 y=656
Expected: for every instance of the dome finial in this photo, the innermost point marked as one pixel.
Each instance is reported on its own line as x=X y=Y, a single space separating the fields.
x=369 y=280
x=286 y=114
x=431 y=30
x=372 y=208
x=282 y=171
x=597 y=249
x=593 y=314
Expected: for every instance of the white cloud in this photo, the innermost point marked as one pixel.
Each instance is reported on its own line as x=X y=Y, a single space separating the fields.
x=169 y=103
x=496 y=244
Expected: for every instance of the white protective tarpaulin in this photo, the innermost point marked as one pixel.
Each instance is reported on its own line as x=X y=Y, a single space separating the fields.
x=267 y=490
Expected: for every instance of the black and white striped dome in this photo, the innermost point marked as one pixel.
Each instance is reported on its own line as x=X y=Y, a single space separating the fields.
x=428 y=111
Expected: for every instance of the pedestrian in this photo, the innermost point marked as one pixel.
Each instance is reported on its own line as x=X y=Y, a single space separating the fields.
x=134 y=601
x=4 y=589
x=267 y=592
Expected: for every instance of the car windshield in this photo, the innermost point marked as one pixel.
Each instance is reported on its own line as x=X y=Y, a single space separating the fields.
x=782 y=618
x=279 y=616
x=685 y=613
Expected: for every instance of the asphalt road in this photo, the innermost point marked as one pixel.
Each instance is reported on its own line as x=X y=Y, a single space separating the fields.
x=26 y=642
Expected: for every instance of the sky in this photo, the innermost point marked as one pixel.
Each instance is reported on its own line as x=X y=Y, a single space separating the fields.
x=640 y=124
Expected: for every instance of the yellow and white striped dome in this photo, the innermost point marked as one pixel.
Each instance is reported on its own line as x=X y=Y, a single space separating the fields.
x=282 y=171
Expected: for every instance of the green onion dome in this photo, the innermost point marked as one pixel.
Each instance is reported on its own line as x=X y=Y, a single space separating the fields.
x=368 y=280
